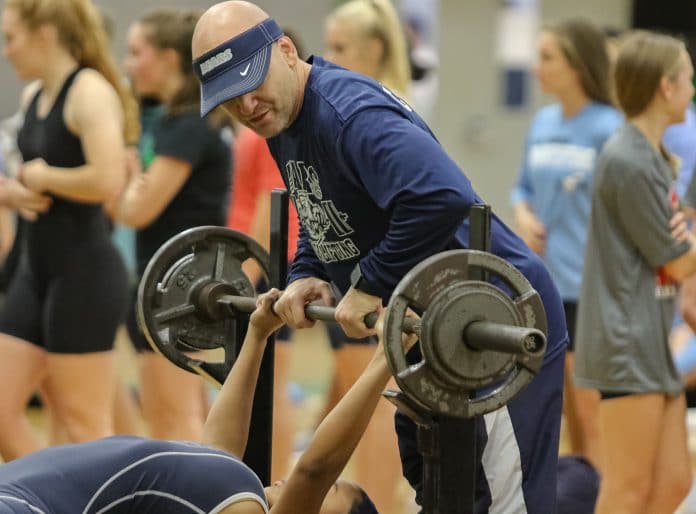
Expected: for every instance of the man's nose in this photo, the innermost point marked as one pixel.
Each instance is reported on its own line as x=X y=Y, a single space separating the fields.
x=247 y=104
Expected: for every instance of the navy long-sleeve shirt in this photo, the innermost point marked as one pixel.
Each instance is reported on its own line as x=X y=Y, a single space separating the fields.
x=372 y=185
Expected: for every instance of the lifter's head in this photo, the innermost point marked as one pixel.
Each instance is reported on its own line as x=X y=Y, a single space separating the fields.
x=343 y=498
x=246 y=65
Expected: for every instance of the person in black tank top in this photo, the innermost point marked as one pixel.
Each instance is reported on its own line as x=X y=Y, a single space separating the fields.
x=185 y=184
x=69 y=294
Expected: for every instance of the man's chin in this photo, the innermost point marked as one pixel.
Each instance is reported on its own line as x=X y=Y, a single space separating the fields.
x=265 y=131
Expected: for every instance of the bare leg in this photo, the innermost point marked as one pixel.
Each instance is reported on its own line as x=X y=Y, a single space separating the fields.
x=172 y=399
x=81 y=389
x=56 y=431
x=672 y=470
x=569 y=409
x=126 y=410
x=581 y=407
x=631 y=431
x=22 y=366
x=127 y=416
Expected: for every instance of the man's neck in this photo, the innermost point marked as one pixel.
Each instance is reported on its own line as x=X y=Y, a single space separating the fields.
x=302 y=77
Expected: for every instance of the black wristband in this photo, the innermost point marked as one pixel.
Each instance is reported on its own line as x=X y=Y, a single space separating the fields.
x=361 y=284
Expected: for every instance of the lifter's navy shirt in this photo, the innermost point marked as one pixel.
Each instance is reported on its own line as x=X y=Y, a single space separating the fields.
x=127 y=474
x=372 y=184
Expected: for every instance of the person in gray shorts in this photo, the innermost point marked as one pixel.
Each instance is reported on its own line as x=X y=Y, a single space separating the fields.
x=638 y=250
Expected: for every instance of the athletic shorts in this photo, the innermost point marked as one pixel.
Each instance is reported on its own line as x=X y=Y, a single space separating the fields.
x=73 y=309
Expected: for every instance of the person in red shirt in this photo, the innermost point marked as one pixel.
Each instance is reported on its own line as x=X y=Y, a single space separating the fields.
x=255 y=176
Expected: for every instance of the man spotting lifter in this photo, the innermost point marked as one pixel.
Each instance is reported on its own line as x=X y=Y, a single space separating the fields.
x=376 y=194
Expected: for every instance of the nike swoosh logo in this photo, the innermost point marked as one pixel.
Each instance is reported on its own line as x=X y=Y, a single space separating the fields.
x=246 y=70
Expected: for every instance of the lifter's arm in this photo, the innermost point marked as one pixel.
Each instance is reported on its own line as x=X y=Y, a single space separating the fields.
x=227 y=426
x=336 y=438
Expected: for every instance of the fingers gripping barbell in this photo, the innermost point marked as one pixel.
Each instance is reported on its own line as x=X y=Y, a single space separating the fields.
x=480 y=344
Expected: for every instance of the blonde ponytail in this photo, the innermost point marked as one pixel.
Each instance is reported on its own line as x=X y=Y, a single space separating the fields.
x=379 y=19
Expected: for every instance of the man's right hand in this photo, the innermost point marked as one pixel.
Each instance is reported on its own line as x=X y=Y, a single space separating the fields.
x=290 y=307
x=27 y=202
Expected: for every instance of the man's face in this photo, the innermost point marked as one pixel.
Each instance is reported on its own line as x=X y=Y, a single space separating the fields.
x=271 y=108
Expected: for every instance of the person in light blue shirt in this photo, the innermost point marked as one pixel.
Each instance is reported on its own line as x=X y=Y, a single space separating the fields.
x=553 y=195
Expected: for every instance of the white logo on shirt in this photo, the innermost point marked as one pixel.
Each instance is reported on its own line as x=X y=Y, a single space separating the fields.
x=318 y=216
x=246 y=70
x=215 y=61
x=579 y=159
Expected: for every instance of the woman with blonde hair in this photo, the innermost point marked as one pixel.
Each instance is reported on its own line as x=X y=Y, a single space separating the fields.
x=366 y=36
x=69 y=294
x=638 y=249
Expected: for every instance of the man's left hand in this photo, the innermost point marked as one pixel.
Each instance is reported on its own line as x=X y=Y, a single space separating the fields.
x=351 y=312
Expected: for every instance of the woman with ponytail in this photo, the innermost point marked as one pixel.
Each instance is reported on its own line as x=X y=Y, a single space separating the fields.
x=638 y=250
x=69 y=294
x=186 y=163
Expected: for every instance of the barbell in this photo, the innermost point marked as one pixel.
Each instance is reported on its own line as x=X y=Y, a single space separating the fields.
x=481 y=342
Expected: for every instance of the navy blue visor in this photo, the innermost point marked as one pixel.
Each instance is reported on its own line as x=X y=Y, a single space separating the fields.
x=237 y=66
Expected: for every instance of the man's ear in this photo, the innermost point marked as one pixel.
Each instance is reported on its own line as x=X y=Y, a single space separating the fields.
x=288 y=50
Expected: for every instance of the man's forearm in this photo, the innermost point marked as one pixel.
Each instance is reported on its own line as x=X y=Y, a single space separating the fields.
x=227 y=426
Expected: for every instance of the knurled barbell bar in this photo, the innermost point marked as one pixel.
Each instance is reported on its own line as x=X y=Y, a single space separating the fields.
x=478 y=334
x=481 y=342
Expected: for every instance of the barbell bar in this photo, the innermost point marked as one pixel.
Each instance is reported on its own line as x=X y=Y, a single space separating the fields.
x=480 y=334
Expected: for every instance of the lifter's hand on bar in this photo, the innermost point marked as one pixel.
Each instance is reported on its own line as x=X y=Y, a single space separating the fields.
x=408 y=340
x=290 y=307
x=263 y=320
x=351 y=312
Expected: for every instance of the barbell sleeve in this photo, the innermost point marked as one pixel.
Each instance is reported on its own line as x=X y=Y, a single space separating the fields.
x=497 y=337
